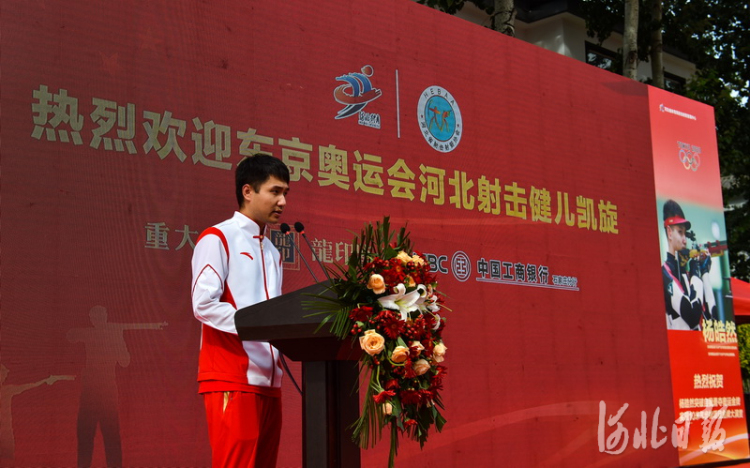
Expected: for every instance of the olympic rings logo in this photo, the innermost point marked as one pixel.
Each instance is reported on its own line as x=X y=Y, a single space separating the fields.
x=690 y=160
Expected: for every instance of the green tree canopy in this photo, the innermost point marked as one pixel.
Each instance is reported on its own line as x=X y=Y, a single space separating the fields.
x=714 y=35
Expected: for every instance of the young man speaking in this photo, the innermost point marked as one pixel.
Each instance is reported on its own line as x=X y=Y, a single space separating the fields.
x=235 y=266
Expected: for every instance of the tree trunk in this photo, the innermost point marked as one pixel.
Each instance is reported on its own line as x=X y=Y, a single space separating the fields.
x=503 y=20
x=630 y=40
x=657 y=62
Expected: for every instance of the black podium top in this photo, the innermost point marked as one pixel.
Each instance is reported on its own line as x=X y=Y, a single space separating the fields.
x=285 y=324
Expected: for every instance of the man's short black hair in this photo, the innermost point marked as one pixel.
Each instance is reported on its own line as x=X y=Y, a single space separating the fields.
x=255 y=170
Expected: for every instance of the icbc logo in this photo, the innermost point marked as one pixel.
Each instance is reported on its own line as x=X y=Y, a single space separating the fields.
x=459 y=264
x=437 y=263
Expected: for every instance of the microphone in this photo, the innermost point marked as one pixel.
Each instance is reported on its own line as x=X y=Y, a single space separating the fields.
x=286 y=230
x=300 y=228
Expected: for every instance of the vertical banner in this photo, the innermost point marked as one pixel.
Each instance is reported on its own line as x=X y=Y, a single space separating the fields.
x=703 y=353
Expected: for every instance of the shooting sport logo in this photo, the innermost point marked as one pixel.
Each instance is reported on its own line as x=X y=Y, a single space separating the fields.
x=439 y=119
x=355 y=94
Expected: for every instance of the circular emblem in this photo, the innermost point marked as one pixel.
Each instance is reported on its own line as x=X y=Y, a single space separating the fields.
x=461 y=266
x=439 y=119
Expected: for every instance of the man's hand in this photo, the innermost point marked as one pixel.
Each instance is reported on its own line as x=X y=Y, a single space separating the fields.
x=683 y=257
x=704 y=262
x=694 y=268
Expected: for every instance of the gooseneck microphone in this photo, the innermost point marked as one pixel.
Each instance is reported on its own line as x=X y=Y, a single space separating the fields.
x=300 y=228
x=286 y=230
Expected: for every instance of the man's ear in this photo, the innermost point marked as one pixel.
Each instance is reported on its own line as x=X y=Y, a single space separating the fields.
x=247 y=192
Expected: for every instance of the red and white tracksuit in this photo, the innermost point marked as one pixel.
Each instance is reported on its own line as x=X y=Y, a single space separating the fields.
x=234 y=266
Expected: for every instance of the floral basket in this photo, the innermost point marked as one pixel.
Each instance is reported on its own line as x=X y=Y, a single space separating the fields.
x=385 y=298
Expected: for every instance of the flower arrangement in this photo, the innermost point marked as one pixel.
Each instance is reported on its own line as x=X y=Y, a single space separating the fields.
x=385 y=298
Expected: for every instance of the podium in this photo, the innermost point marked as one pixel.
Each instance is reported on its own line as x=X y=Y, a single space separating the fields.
x=330 y=373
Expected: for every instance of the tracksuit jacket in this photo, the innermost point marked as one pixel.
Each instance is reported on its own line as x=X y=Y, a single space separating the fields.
x=234 y=266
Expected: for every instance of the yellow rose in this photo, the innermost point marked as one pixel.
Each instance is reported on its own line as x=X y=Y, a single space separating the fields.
x=372 y=343
x=417 y=259
x=377 y=284
x=417 y=345
x=438 y=352
x=387 y=408
x=404 y=257
x=421 y=366
x=399 y=354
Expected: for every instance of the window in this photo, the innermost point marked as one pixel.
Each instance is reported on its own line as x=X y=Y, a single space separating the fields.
x=600 y=57
x=674 y=83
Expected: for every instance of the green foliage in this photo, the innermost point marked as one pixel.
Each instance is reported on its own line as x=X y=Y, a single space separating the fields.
x=743 y=341
x=603 y=17
x=347 y=290
x=732 y=123
x=714 y=35
x=501 y=20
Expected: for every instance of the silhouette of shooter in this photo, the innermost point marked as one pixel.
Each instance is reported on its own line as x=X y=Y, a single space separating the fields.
x=443 y=124
x=105 y=348
x=7 y=392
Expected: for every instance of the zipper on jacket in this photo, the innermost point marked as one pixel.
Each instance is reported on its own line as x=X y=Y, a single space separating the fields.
x=263 y=264
x=265 y=287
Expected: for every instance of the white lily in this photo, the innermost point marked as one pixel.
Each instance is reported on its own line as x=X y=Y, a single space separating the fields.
x=402 y=301
x=428 y=303
x=437 y=322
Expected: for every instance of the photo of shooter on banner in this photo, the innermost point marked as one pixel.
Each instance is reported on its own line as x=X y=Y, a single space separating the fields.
x=688 y=295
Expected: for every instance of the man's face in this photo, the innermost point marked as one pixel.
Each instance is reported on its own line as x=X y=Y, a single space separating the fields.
x=266 y=205
x=676 y=237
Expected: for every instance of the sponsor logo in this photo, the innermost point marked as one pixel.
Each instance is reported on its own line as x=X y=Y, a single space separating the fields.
x=437 y=263
x=355 y=94
x=461 y=266
x=285 y=245
x=500 y=272
x=439 y=119
x=369 y=120
x=669 y=110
